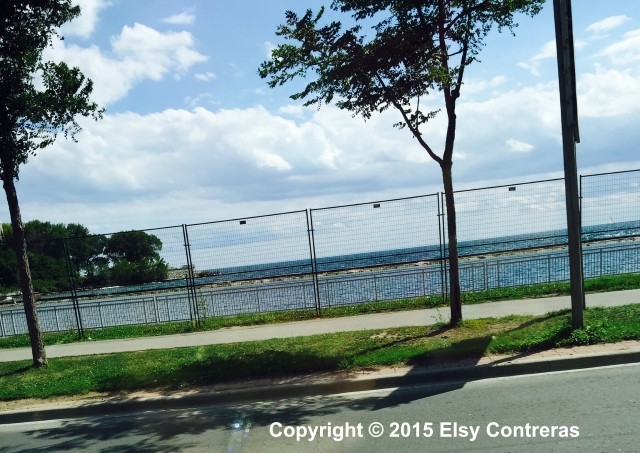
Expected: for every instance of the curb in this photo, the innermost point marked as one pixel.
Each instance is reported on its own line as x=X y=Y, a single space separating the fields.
x=417 y=376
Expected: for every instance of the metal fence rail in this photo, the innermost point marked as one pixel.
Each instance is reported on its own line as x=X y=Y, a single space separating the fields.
x=312 y=260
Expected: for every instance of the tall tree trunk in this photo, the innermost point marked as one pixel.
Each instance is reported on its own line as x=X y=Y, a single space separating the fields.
x=454 y=274
x=20 y=247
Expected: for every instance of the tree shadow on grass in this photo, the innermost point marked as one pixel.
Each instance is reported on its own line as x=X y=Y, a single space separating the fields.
x=19 y=370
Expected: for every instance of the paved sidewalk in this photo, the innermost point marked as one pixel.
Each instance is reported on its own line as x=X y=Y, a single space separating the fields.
x=329 y=325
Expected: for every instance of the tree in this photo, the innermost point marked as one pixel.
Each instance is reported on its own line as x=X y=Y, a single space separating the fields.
x=38 y=101
x=86 y=253
x=135 y=257
x=133 y=246
x=8 y=265
x=414 y=48
x=49 y=247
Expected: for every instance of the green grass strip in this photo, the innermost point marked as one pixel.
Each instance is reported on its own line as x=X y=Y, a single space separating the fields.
x=173 y=369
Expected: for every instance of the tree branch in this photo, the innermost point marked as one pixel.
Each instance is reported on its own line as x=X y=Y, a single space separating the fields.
x=414 y=129
x=444 y=61
x=469 y=10
x=463 y=65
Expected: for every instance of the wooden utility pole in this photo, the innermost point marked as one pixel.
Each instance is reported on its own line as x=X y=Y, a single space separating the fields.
x=570 y=136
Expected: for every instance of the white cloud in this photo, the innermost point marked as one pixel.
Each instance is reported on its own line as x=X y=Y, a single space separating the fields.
x=460 y=155
x=607 y=93
x=138 y=53
x=205 y=76
x=580 y=44
x=533 y=64
x=519 y=147
x=270 y=159
x=625 y=51
x=185 y=18
x=472 y=87
x=156 y=51
x=153 y=153
x=179 y=166
x=531 y=114
x=606 y=25
x=233 y=156
x=201 y=100
x=85 y=24
x=292 y=110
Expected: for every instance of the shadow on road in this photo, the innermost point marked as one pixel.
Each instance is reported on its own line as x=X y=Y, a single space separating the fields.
x=165 y=431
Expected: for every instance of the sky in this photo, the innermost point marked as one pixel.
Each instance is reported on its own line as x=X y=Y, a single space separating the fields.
x=192 y=134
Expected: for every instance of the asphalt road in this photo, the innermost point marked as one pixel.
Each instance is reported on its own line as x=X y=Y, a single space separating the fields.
x=595 y=410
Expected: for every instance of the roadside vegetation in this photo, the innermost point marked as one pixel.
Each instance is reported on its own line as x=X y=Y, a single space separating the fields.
x=599 y=284
x=173 y=369
x=125 y=258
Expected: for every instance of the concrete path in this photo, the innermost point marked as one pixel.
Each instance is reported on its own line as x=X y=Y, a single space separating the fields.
x=329 y=325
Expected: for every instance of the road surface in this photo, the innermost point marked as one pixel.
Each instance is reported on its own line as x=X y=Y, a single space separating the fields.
x=595 y=410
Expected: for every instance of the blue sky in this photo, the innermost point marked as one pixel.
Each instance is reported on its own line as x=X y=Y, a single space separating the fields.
x=192 y=134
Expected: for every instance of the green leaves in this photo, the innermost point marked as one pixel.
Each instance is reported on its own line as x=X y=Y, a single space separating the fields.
x=131 y=257
x=38 y=100
x=409 y=50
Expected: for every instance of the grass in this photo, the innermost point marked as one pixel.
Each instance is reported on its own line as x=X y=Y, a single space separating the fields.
x=599 y=284
x=173 y=369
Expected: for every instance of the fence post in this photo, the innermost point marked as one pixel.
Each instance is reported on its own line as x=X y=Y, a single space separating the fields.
x=375 y=287
x=144 y=309
x=486 y=276
x=314 y=262
x=72 y=285
x=444 y=282
x=580 y=202
x=100 y=314
x=600 y=253
x=155 y=307
x=191 y=282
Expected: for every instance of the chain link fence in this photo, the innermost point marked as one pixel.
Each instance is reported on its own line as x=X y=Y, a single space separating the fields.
x=610 y=205
x=240 y=265
x=511 y=235
x=379 y=245
x=315 y=259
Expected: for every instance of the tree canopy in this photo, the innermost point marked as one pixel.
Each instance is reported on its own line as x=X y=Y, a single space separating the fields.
x=413 y=49
x=38 y=99
x=126 y=258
